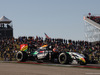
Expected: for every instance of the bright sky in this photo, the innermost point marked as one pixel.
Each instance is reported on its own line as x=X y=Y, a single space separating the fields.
x=57 y=18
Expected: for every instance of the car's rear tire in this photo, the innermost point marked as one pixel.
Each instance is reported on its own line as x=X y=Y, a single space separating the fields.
x=21 y=56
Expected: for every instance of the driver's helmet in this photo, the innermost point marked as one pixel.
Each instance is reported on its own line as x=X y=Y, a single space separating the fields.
x=55 y=50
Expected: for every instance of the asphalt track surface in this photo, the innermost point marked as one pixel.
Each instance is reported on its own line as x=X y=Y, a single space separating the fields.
x=42 y=69
x=93 y=66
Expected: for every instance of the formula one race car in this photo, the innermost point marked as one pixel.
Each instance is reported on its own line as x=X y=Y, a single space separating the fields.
x=45 y=53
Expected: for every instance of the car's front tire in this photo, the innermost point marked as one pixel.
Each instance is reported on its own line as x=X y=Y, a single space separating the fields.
x=63 y=58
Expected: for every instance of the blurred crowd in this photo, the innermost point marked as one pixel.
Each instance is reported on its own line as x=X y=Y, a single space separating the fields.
x=9 y=47
x=94 y=18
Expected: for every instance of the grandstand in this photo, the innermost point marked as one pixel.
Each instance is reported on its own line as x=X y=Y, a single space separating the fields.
x=6 y=29
x=92 y=28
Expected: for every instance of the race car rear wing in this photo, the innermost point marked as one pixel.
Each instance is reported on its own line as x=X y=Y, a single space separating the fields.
x=24 y=47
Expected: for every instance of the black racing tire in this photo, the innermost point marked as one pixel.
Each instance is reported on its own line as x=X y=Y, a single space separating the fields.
x=21 y=56
x=63 y=58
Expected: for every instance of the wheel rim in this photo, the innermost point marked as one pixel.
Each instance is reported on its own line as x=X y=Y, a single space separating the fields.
x=19 y=56
x=62 y=58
